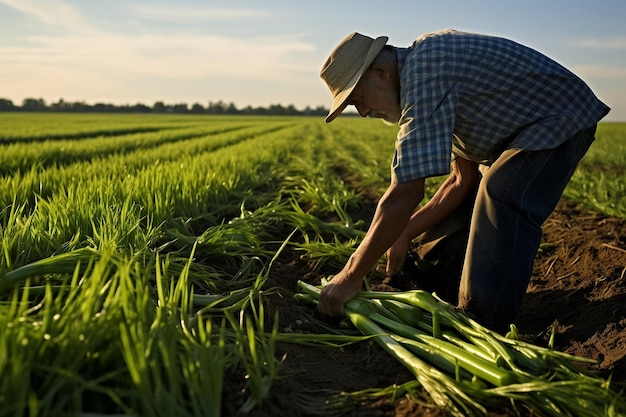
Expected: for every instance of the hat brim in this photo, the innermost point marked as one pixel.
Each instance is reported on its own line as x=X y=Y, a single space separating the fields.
x=340 y=102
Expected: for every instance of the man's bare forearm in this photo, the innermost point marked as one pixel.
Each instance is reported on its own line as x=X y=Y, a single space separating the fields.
x=449 y=196
x=392 y=216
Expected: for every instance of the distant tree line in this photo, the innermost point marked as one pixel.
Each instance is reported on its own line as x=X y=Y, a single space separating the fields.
x=219 y=107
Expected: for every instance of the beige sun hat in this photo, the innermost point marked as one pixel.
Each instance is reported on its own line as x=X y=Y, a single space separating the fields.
x=345 y=66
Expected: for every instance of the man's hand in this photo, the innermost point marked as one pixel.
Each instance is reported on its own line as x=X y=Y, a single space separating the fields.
x=337 y=293
x=396 y=255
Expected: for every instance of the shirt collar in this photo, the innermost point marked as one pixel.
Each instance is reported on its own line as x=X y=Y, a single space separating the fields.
x=401 y=54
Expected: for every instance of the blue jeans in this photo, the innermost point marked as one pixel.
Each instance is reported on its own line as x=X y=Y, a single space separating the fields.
x=516 y=195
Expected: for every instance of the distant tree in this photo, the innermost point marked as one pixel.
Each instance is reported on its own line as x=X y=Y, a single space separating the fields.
x=262 y=111
x=231 y=109
x=291 y=110
x=247 y=110
x=321 y=111
x=277 y=109
x=80 y=107
x=60 y=105
x=159 y=107
x=197 y=108
x=140 y=108
x=216 y=108
x=180 y=108
x=104 y=108
x=7 y=105
x=219 y=107
x=33 y=104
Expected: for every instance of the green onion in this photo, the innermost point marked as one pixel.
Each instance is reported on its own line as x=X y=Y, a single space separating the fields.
x=464 y=366
x=443 y=389
x=478 y=366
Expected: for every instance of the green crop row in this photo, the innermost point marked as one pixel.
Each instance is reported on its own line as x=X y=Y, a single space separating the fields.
x=22 y=156
x=598 y=183
x=27 y=127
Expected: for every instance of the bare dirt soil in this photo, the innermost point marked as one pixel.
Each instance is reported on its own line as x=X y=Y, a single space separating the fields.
x=578 y=288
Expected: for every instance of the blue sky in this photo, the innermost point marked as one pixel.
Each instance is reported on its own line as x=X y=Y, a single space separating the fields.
x=268 y=52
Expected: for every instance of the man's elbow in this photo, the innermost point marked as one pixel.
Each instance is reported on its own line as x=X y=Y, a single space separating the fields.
x=467 y=175
x=470 y=181
x=409 y=194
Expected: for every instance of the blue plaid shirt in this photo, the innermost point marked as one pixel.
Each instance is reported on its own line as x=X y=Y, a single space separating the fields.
x=475 y=96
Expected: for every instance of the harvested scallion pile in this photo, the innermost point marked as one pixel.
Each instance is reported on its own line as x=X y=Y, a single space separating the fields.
x=465 y=367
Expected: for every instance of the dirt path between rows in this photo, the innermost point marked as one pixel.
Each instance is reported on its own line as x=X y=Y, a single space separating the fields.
x=578 y=288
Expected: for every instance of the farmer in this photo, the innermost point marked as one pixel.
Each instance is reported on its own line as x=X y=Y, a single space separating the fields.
x=462 y=101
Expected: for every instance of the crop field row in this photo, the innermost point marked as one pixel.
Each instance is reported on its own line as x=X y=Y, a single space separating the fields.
x=135 y=249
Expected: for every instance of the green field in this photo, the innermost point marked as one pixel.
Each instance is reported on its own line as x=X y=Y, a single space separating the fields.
x=135 y=248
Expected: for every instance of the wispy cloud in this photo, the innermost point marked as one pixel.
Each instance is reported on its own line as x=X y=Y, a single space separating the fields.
x=52 y=12
x=114 y=68
x=89 y=60
x=611 y=43
x=600 y=72
x=166 y=57
x=185 y=14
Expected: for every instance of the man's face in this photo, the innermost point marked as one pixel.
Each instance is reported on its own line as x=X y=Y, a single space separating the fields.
x=376 y=96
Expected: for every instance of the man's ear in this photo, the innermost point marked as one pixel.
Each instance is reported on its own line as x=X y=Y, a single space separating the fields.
x=379 y=71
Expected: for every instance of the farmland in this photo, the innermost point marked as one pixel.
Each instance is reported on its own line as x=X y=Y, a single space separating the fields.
x=149 y=264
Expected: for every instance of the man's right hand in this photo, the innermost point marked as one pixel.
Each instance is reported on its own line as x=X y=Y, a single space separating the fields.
x=337 y=293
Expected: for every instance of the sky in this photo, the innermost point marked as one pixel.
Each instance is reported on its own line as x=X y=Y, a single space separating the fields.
x=264 y=52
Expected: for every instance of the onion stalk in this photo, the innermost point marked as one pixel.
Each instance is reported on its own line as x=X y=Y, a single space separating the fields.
x=464 y=366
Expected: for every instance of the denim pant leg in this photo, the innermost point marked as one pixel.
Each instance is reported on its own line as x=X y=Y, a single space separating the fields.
x=517 y=194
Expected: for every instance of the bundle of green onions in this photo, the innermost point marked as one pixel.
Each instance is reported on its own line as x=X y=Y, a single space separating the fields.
x=464 y=366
